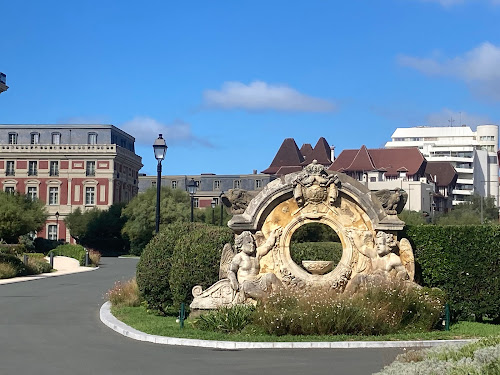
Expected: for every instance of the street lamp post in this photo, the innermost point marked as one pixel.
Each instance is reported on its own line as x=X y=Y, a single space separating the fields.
x=221 y=208
x=57 y=225
x=213 y=211
x=160 y=149
x=192 y=190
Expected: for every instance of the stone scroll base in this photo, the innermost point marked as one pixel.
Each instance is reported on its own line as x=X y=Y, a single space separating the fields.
x=219 y=294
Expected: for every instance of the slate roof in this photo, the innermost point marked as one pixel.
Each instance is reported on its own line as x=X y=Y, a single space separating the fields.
x=441 y=171
x=287 y=155
x=390 y=160
x=321 y=153
x=290 y=159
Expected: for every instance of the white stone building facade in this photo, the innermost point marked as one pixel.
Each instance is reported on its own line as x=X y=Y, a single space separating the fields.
x=472 y=153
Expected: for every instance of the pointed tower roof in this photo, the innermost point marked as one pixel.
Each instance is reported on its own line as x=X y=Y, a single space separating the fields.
x=321 y=153
x=306 y=151
x=288 y=155
x=362 y=161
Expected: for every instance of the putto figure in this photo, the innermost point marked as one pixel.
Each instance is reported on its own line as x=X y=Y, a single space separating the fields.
x=244 y=271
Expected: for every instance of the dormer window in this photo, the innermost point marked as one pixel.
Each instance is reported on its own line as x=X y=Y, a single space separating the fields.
x=56 y=138
x=34 y=138
x=92 y=138
x=12 y=138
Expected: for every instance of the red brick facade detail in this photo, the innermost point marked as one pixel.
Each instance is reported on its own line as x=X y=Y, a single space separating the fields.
x=64 y=164
x=78 y=164
x=43 y=164
x=22 y=164
x=102 y=165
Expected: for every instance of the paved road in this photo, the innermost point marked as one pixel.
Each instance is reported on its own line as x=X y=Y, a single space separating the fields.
x=52 y=326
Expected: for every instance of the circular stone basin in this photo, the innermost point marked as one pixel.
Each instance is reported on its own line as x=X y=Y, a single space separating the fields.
x=318 y=267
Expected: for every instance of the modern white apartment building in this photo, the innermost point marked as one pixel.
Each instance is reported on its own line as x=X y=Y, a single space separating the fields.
x=472 y=153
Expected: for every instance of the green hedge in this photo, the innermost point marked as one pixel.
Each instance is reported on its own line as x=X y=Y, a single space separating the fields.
x=181 y=256
x=316 y=251
x=73 y=251
x=464 y=261
x=15 y=262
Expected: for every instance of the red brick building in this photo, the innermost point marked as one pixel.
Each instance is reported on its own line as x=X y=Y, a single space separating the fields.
x=68 y=166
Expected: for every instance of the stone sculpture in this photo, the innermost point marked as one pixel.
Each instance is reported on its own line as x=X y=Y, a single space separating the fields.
x=393 y=202
x=244 y=271
x=311 y=185
x=240 y=278
x=260 y=264
x=237 y=200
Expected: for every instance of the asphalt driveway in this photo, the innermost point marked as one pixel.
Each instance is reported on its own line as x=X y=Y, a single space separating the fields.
x=52 y=326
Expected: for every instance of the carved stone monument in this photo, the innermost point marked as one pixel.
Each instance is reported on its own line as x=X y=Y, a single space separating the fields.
x=261 y=261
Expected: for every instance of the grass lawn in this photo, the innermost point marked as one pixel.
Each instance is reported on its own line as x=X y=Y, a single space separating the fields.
x=140 y=319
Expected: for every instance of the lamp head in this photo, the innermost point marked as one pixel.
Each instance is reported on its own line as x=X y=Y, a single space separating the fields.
x=160 y=148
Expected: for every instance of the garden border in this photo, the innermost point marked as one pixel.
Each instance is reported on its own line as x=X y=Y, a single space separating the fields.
x=118 y=326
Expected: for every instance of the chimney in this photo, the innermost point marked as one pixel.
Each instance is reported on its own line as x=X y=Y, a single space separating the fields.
x=255 y=171
x=332 y=153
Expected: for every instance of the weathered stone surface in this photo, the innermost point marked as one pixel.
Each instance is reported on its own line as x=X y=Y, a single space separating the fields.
x=367 y=233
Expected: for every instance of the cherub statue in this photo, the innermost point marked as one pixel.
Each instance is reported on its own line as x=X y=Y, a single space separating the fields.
x=244 y=270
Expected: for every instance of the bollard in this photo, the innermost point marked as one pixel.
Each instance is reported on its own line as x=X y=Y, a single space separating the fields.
x=51 y=259
x=87 y=258
x=25 y=259
x=182 y=315
x=447 y=317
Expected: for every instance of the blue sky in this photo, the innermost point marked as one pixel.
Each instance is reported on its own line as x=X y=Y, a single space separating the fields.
x=227 y=81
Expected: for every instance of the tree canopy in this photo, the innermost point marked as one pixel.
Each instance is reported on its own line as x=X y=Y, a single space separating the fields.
x=469 y=212
x=140 y=214
x=99 y=229
x=20 y=215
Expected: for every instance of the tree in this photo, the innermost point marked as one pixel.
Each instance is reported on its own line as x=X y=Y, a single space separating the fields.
x=98 y=229
x=204 y=215
x=20 y=215
x=140 y=214
x=412 y=217
x=469 y=212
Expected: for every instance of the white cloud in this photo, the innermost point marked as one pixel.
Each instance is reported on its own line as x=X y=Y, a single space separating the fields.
x=448 y=117
x=258 y=96
x=479 y=68
x=146 y=130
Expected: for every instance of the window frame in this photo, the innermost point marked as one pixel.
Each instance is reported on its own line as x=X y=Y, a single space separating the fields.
x=88 y=171
x=52 y=194
x=30 y=195
x=92 y=138
x=10 y=171
x=32 y=168
x=34 y=138
x=90 y=191
x=55 y=138
x=56 y=171
x=50 y=233
x=13 y=140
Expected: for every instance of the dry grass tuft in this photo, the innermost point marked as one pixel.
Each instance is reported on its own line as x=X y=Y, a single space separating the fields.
x=125 y=294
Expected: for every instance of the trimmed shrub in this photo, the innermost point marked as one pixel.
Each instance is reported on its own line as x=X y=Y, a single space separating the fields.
x=153 y=269
x=316 y=251
x=226 y=319
x=7 y=271
x=15 y=263
x=43 y=245
x=37 y=264
x=196 y=260
x=181 y=256
x=464 y=261
x=14 y=249
x=73 y=251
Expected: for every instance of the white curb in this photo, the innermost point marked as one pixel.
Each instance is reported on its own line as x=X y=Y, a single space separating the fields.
x=116 y=325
